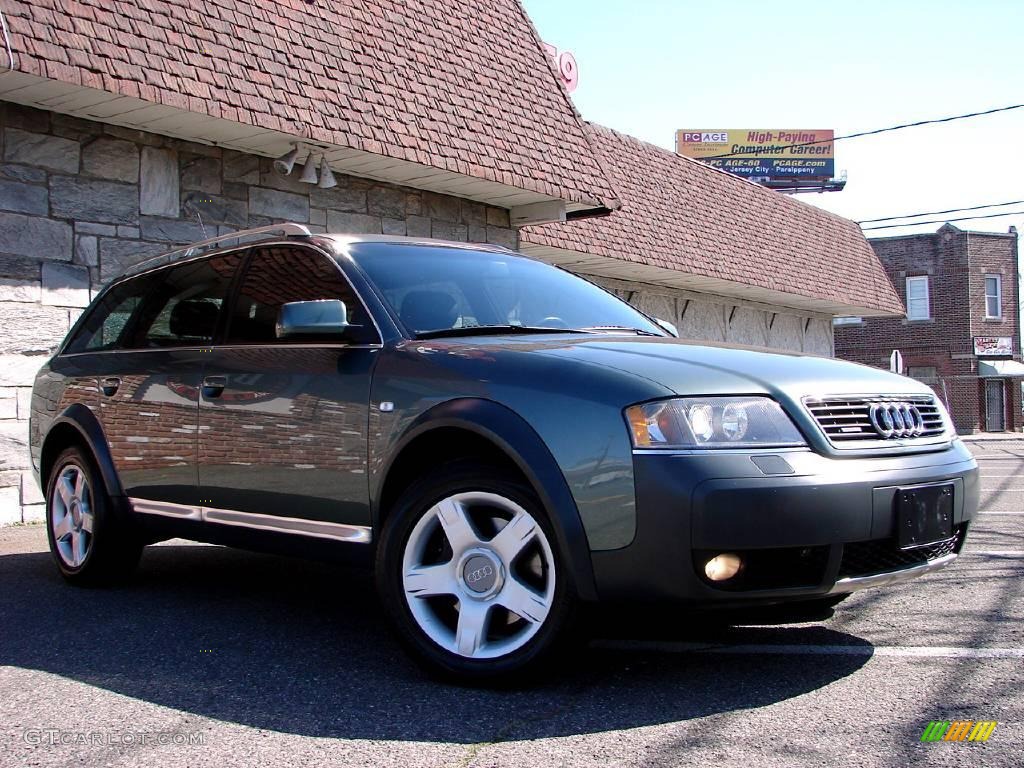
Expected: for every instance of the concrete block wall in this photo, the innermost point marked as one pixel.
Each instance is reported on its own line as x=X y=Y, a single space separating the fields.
x=718 y=319
x=80 y=201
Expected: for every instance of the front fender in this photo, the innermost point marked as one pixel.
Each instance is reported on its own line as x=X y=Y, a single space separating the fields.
x=517 y=439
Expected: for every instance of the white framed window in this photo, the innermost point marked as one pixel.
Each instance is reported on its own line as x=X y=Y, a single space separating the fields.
x=993 y=297
x=918 y=306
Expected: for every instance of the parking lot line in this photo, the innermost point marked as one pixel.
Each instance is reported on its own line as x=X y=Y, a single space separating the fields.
x=999 y=512
x=995 y=552
x=900 y=651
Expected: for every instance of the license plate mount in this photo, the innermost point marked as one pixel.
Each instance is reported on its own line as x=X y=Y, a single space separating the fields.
x=924 y=514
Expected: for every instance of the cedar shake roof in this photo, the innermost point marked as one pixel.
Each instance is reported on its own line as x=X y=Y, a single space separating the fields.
x=463 y=88
x=717 y=233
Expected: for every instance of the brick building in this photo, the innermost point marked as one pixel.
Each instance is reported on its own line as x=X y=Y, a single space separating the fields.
x=961 y=330
x=128 y=128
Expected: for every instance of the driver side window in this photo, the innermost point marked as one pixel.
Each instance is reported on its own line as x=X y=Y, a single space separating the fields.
x=277 y=275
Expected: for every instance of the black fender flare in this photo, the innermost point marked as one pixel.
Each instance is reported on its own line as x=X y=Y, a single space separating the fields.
x=84 y=421
x=520 y=442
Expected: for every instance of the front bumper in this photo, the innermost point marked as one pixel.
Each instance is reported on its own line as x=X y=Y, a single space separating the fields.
x=806 y=524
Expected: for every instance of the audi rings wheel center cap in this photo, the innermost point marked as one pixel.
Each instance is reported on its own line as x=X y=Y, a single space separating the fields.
x=480 y=573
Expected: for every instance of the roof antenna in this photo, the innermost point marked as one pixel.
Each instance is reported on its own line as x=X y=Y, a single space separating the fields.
x=190 y=206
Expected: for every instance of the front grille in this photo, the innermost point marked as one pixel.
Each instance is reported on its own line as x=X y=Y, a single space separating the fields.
x=847 y=419
x=866 y=558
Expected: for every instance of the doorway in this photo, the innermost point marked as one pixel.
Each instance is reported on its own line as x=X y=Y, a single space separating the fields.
x=995 y=405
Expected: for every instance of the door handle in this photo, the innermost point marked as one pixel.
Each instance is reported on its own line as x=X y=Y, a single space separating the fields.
x=109 y=385
x=213 y=386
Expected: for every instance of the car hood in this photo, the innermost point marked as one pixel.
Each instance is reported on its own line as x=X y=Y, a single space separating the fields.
x=689 y=368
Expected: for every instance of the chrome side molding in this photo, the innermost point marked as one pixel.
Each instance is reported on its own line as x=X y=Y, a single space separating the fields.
x=166 y=509
x=854 y=583
x=356 y=534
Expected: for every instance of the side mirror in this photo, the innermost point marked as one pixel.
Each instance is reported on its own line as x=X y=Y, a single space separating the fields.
x=325 y=318
x=666 y=326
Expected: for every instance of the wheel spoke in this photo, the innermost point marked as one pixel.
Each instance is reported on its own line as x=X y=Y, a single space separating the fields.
x=523 y=601
x=513 y=538
x=66 y=490
x=80 y=486
x=77 y=548
x=62 y=527
x=472 y=629
x=88 y=519
x=457 y=527
x=430 y=580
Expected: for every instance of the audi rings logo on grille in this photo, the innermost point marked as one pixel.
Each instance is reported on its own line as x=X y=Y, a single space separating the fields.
x=892 y=420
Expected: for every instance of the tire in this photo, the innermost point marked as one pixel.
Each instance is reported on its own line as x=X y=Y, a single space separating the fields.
x=89 y=544
x=452 y=521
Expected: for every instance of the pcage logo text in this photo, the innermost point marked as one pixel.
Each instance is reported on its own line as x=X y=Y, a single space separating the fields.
x=715 y=138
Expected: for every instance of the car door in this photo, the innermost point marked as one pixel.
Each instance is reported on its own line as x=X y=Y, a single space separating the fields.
x=149 y=381
x=283 y=424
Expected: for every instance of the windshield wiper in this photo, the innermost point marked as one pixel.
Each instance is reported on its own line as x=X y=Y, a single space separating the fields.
x=603 y=328
x=493 y=330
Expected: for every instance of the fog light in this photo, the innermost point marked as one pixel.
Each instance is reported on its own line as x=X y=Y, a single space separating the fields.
x=723 y=567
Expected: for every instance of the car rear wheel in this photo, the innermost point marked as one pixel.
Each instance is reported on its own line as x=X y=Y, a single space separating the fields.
x=469 y=572
x=86 y=541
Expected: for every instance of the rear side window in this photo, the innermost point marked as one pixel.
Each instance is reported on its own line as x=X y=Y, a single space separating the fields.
x=282 y=274
x=183 y=306
x=106 y=323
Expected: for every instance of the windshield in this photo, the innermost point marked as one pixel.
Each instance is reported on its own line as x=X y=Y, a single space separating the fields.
x=436 y=288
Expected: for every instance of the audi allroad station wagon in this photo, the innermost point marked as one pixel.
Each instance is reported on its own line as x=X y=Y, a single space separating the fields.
x=507 y=440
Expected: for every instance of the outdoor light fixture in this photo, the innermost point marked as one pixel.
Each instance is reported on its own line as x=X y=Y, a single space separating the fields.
x=327 y=179
x=308 y=170
x=283 y=165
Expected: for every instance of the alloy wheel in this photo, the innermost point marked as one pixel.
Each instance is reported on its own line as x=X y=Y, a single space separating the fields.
x=478 y=575
x=71 y=516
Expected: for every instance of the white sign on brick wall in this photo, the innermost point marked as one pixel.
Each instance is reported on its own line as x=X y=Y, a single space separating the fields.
x=992 y=346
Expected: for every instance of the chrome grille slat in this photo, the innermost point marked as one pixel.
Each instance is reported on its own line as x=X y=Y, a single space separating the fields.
x=847 y=419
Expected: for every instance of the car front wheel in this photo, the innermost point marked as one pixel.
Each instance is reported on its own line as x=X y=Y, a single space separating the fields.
x=468 y=570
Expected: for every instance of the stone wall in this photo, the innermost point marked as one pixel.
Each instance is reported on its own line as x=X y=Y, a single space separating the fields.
x=701 y=317
x=80 y=201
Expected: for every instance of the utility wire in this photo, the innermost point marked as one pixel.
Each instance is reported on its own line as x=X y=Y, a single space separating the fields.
x=876 y=131
x=936 y=213
x=943 y=221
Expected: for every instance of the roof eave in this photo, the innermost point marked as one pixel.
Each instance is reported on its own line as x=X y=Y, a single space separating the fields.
x=139 y=114
x=705 y=285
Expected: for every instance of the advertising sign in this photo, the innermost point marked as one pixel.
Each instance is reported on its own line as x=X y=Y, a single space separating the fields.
x=764 y=154
x=993 y=346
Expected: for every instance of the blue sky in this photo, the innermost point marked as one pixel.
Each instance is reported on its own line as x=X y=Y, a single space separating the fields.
x=648 y=67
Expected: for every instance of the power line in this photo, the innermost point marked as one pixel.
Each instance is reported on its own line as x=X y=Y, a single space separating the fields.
x=936 y=213
x=875 y=131
x=943 y=221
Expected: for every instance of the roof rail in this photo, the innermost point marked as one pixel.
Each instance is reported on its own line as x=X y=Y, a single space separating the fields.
x=194 y=249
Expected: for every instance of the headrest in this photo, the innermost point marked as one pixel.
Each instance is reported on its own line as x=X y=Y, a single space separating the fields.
x=194 y=319
x=428 y=310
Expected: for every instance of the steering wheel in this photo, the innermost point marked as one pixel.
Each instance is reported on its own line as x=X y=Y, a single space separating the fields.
x=553 y=322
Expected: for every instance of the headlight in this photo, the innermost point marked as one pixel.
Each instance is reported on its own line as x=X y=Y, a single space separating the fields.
x=711 y=422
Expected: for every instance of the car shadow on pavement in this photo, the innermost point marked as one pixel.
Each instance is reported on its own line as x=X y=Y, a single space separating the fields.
x=302 y=647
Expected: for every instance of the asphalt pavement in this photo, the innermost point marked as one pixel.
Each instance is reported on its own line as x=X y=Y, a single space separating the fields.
x=216 y=657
